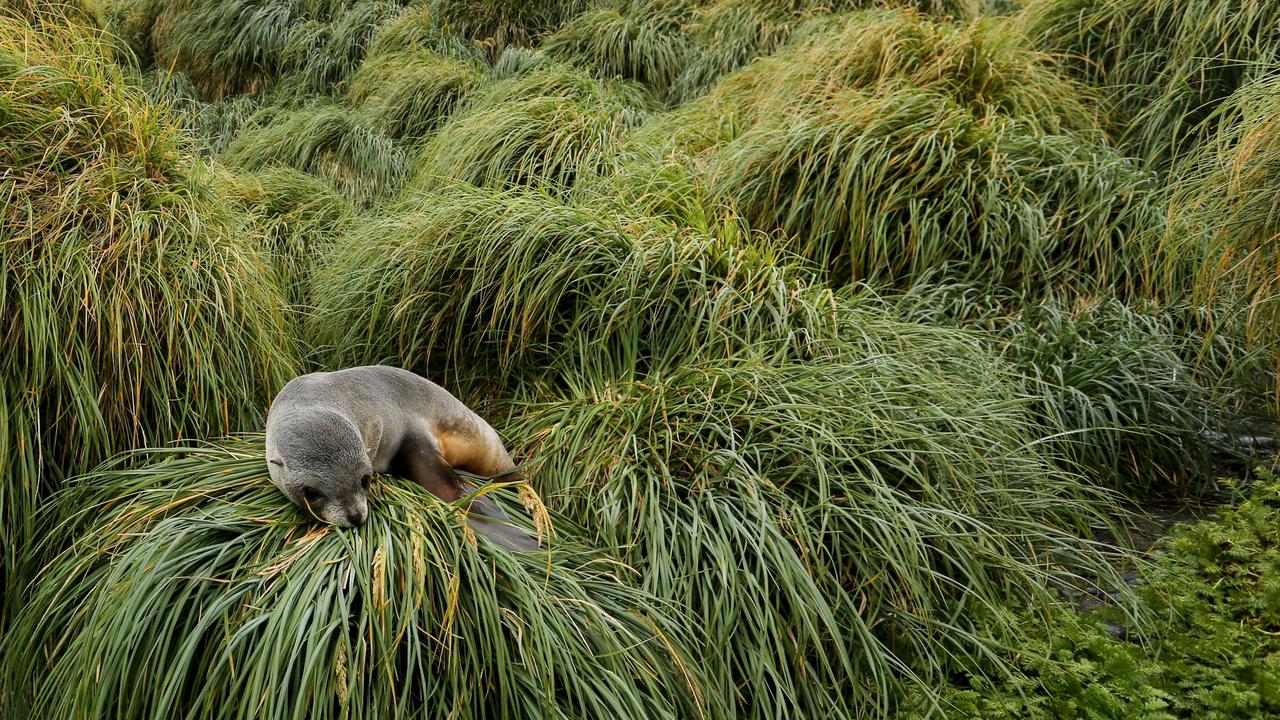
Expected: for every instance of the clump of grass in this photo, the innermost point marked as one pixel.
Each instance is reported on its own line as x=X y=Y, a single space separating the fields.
x=135 y=308
x=1118 y=394
x=498 y=24
x=247 y=46
x=227 y=599
x=986 y=66
x=889 y=187
x=1227 y=221
x=410 y=94
x=516 y=61
x=546 y=127
x=632 y=42
x=324 y=50
x=415 y=30
x=514 y=279
x=297 y=215
x=326 y=140
x=726 y=35
x=889 y=147
x=56 y=12
x=1166 y=64
x=1129 y=395
x=871 y=494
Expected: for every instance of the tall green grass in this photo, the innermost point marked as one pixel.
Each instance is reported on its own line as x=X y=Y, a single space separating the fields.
x=726 y=35
x=1226 y=217
x=889 y=146
x=192 y=588
x=326 y=140
x=734 y=428
x=640 y=41
x=1166 y=64
x=297 y=214
x=1126 y=394
x=545 y=127
x=245 y=46
x=499 y=284
x=411 y=93
x=887 y=188
x=135 y=308
x=497 y=24
x=855 y=505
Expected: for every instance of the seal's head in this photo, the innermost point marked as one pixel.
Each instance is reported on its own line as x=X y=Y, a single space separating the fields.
x=319 y=461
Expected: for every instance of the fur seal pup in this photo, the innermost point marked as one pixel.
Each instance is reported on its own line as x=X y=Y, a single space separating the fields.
x=328 y=432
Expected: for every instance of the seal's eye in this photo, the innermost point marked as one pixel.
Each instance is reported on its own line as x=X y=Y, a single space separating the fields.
x=364 y=481
x=311 y=494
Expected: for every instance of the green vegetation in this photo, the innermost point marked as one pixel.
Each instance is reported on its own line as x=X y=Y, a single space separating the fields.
x=1214 y=653
x=836 y=342
x=1167 y=64
x=136 y=308
x=196 y=567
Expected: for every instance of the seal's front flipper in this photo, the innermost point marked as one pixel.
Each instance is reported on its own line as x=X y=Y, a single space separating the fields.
x=488 y=518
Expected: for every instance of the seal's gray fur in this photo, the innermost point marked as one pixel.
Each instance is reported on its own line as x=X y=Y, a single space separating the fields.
x=328 y=432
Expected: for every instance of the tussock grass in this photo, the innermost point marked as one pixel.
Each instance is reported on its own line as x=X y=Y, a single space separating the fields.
x=410 y=94
x=328 y=141
x=227 y=602
x=889 y=146
x=1118 y=393
x=788 y=443
x=890 y=187
x=500 y=284
x=245 y=46
x=497 y=25
x=869 y=495
x=297 y=215
x=1126 y=393
x=415 y=30
x=726 y=35
x=1227 y=218
x=987 y=66
x=134 y=307
x=639 y=41
x=546 y=127
x=1166 y=64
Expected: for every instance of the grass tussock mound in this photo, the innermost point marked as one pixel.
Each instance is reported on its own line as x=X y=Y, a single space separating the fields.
x=725 y=35
x=1166 y=64
x=546 y=127
x=887 y=188
x=297 y=215
x=870 y=494
x=889 y=146
x=411 y=93
x=247 y=46
x=520 y=278
x=1228 y=219
x=633 y=42
x=228 y=602
x=134 y=310
x=496 y=25
x=1126 y=395
x=328 y=141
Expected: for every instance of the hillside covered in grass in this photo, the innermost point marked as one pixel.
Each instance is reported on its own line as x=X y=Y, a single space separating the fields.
x=837 y=342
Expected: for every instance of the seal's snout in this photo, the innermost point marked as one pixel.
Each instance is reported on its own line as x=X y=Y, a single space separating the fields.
x=356 y=518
